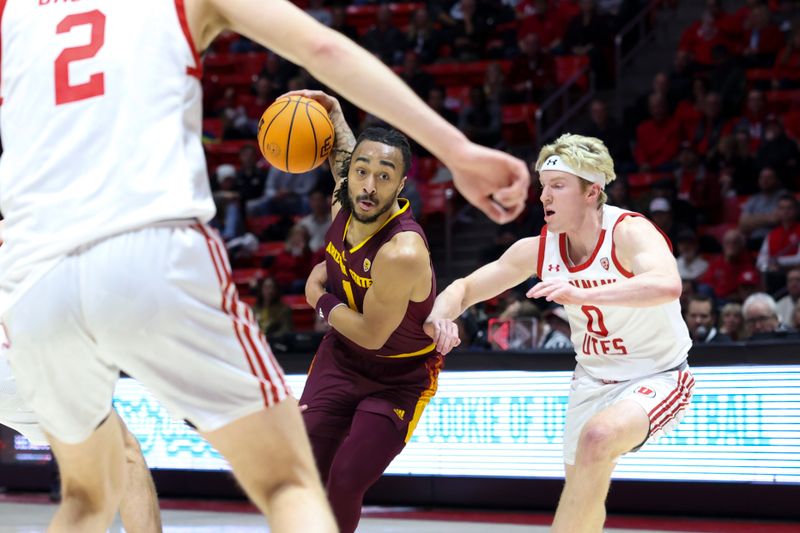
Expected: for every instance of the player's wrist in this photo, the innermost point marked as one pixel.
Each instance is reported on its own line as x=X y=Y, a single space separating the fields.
x=326 y=304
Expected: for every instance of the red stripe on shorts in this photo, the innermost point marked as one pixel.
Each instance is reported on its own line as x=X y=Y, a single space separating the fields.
x=215 y=259
x=678 y=395
x=684 y=396
x=656 y=411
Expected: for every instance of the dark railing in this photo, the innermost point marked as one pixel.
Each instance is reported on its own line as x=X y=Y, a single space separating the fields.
x=569 y=106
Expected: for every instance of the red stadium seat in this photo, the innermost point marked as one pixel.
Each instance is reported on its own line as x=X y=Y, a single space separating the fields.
x=519 y=123
x=640 y=182
x=297 y=302
x=435 y=197
x=782 y=101
x=256 y=225
x=791 y=123
x=426 y=169
x=717 y=231
x=270 y=249
x=212 y=128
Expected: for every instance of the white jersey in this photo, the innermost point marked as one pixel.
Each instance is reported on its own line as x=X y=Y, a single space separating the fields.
x=614 y=342
x=101 y=125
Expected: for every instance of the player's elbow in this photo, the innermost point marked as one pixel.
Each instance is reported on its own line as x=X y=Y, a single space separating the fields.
x=673 y=289
x=325 y=49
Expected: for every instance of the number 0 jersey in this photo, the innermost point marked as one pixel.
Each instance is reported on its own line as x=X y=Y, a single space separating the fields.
x=101 y=125
x=614 y=342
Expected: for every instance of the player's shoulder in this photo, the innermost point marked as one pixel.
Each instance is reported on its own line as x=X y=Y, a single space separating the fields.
x=632 y=226
x=405 y=251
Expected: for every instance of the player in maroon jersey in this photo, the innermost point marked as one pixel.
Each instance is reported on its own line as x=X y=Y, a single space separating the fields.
x=376 y=369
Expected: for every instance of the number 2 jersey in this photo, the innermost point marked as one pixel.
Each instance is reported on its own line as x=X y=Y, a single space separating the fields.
x=349 y=278
x=614 y=342
x=101 y=124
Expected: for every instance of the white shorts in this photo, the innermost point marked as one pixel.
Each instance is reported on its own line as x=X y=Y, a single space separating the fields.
x=664 y=397
x=157 y=303
x=14 y=412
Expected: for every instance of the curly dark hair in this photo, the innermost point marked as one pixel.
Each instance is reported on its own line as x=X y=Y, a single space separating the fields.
x=385 y=136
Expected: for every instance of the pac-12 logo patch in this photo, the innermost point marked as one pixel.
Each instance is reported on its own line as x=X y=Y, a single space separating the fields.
x=604 y=262
x=367 y=264
x=650 y=393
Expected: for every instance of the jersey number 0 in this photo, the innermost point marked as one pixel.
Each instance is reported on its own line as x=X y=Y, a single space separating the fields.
x=66 y=92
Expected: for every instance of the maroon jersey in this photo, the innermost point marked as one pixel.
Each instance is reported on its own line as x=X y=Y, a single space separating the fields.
x=349 y=279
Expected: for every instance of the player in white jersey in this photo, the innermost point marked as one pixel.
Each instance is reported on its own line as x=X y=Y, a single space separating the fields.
x=108 y=263
x=614 y=272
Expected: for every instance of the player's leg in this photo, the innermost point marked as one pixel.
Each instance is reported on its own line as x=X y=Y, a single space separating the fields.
x=176 y=324
x=92 y=479
x=603 y=439
x=139 y=508
x=287 y=489
x=374 y=441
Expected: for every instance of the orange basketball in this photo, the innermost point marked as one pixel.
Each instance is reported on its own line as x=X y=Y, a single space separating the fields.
x=295 y=134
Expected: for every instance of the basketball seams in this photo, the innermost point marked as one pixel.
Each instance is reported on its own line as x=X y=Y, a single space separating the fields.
x=266 y=130
x=326 y=117
x=314 y=135
x=289 y=134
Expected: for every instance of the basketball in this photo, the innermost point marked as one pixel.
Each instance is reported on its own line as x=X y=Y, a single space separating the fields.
x=295 y=134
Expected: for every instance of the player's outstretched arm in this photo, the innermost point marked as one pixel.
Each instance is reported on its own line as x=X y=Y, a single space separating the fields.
x=640 y=249
x=517 y=264
x=399 y=267
x=479 y=173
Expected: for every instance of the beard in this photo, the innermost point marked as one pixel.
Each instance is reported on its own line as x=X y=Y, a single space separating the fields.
x=369 y=219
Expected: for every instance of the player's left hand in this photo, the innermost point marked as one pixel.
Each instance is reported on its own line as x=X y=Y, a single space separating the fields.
x=444 y=333
x=315 y=284
x=556 y=290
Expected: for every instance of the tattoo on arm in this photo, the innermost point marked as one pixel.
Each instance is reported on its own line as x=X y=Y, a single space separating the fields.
x=343 y=145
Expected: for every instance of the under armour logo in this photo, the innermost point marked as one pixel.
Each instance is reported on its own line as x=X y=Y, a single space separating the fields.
x=550 y=268
x=321 y=314
x=551 y=162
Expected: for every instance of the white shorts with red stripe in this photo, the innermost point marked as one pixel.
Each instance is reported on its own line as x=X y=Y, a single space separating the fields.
x=157 y=303
x=664 y=396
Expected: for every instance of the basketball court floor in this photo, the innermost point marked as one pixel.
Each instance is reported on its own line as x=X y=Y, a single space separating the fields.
x=31 y=513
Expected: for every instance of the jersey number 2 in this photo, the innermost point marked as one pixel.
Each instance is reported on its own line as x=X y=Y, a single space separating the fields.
x=65 y=92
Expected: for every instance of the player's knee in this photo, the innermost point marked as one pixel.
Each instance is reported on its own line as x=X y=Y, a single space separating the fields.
x=596 y=444
x=91 y=501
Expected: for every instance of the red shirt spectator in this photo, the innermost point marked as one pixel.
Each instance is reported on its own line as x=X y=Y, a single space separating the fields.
x=702 y=36
x=292 y=266
x=754 y=118
x=657 y=138
x=762 y=38
x=787 y=64
x=781 y=248
x=724 y=271
x=711 y=127
x=547 y=23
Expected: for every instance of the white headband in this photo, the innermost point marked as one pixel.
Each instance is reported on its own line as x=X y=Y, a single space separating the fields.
x=554 y=162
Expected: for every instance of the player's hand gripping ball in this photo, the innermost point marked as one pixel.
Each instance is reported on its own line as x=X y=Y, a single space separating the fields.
x=295 y=134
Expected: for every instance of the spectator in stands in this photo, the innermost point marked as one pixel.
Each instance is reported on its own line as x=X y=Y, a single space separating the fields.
x=787 y=305
x=481 y=120
x=236 y=124
x=731 y=321
x=705 y=34
x=794 y=322
x=384 y=39
x=759 y=212
x=339 y=22
x=494 y=84
x=778 y=151
x=689 y=111
x=661 y=214
x=700 y=318
x=749 y=283
x=691 y=264
x=761 y=317
x=640 y=110
x=682 y=75
x=735 y=165
x=754 y=117
x=728 y=79
x=711 y=127
x=228 y=219
x=605 y=128
x=504 y=237
x=657 y=138
x=617 y=192
x=436 y=101
x=763 y=39
x=318 y=220
x=250 y=179
x=696 y=185
x=557 y=334
x=292 y=265
x=285 y=193
x=273 y=315
x=533 y=73
x=682 y=211
x=547 y=23
x=723 y=271
x=781 y=247
x=277 y=72
x=588 y=34
x=317 y=9
x=422 y=37
x=469 y=33
x=786 y=70
x=420 y=81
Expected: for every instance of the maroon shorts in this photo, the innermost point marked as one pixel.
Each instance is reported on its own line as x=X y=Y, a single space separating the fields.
x=340 y=383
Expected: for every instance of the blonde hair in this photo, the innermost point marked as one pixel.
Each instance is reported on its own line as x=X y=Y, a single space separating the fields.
x=583 y=154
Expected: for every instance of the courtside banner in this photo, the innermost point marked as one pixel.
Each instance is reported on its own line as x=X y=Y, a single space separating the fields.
x=743 y=425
